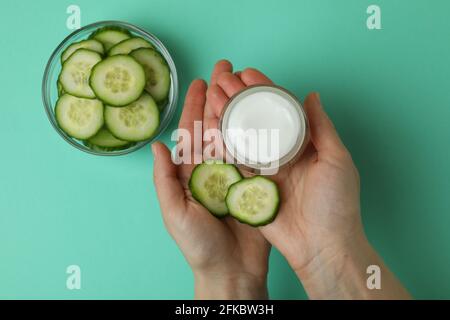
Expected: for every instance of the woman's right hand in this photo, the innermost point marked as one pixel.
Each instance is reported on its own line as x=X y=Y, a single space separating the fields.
x=318 y=228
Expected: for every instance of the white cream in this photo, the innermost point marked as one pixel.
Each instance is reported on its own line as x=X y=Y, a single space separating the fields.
x=263 y=125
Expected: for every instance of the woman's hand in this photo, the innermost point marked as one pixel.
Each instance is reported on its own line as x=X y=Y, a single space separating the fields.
x=318 y=228
x=229 y=259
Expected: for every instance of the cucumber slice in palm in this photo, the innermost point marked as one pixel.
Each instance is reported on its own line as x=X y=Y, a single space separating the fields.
x=118 y=80
x=110 y=36
x=128 y=45
x=156 y=71
x=76 y=71
x=137 y=121
x=78 y=117
x=90 y=44
x=209 y=184
x=253 y=201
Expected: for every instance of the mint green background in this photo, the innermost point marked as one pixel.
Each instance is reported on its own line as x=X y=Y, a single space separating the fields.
x=387 y=92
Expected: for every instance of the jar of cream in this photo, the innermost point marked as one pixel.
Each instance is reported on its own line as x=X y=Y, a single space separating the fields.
x=264 y=128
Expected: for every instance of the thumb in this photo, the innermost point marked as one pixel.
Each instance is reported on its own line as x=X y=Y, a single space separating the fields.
x=169 y=190
x=323 y=134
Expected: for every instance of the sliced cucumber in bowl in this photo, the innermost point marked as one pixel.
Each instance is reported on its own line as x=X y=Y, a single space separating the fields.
x=156 y=70
x=118 y=80
x=128 y=45
x=107 y=149
x=110 y=36
x=76 y=71
x=99 y=73
x=104 y=140
x=137 y=121
x=59 y=88
x=80 y=118
x=90 y=44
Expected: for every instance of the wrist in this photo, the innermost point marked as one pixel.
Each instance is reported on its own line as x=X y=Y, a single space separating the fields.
x=339 y=270
x=220 y=286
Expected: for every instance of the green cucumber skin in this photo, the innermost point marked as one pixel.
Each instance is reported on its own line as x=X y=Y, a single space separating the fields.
x=133 y=141
x=107 y=149
x=162 y=104
x=64 y=52
x=63 y=128
x=195 y=195
x=109 y=126
x=97 y=35
x=62 y=85
x=60 y=88
x=162 y=62
x=109 y=28
x=100 y=141
x=264 y=222
x=106 y=126
x=121 y=43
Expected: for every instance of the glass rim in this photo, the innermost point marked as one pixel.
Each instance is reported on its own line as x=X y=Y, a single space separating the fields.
x=46 y=87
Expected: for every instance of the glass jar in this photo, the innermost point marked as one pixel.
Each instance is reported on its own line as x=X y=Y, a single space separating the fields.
x=264 y=117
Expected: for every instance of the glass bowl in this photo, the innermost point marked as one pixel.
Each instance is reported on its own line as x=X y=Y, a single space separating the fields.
x=53 y=68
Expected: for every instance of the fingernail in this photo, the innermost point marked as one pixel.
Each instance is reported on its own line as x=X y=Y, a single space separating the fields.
x=318 y=98
x=154 y=149
x=223 y=61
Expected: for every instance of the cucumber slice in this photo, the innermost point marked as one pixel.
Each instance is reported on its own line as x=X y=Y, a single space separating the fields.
x=156 y=70
x=137 y=121
x=128 y=45
x=118 y=80
x=110 y=36
x=76 y=71
x=60 y=88
x=80 y=118
x=107 y=149
x=253 y=201
x=104 y=138
x=209 y=184
x=162 y=104
x=90 y=44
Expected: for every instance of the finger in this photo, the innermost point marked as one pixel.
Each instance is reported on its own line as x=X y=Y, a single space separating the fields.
x=216 y=100
x=252 y=77
x=230 y=83
x=169 y=190
x=194 y=105
x=220 y=67
x=238 y=74
x=323 y=134
x=192 y=116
